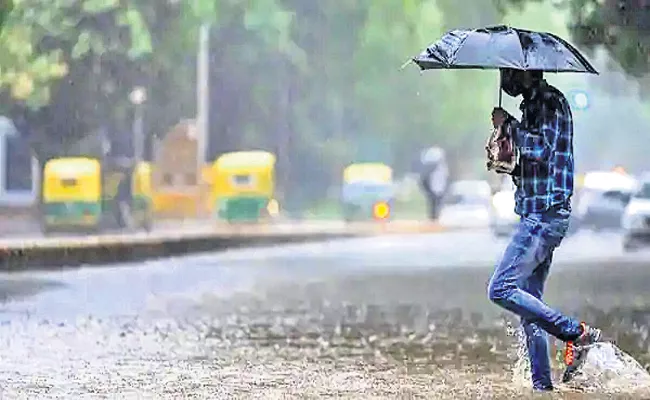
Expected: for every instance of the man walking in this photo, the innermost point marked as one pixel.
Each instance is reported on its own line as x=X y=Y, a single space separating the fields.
x=544 y=180
x=434 y=179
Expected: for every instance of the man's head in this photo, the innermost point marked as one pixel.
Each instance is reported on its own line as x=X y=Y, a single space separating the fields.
x=432 y=155
x=515 y=82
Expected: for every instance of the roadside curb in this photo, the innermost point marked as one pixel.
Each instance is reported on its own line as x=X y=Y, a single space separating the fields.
x=64 y=253
x=53 y=257
x=401 y=228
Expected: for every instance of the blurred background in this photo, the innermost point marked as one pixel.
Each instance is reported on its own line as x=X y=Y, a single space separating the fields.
x=165 y=114
x=318 y=86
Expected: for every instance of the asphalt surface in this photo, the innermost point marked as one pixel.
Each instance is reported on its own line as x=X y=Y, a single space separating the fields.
x=384 y=317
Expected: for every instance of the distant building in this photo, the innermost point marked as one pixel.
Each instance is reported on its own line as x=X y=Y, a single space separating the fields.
x=19 y=169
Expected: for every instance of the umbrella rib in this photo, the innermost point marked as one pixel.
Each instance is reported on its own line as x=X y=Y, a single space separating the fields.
x=452 y=59
x=524 y=59
x=577 y=53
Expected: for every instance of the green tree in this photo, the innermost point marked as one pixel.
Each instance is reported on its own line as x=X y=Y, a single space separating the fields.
x=317 y=82
x=622 y=27
x=54 y=63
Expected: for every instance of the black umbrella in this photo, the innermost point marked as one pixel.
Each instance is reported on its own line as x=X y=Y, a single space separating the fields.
x=501 y=46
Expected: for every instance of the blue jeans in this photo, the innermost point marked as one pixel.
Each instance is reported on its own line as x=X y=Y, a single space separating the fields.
x=517 y=285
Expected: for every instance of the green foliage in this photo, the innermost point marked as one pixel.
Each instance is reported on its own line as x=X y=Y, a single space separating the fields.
x=325 y=73
x=6 y=6
x=28 y=67
x=622 y=27
x=318 y=81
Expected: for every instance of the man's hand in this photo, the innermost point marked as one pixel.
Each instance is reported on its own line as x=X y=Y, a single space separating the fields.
x=499 y=116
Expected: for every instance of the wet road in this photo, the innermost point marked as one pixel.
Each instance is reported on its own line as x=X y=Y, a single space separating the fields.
x=385 y=317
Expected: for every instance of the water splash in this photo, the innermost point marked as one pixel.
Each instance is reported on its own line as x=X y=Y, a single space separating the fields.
x=609 y=369
x=521 y=374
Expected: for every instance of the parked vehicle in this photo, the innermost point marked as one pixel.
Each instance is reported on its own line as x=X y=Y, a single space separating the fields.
x=79 y=193
x=602 y=200
x=243 y=186
x=467 y=203
x=503 y=219
x=636 y=218
x=367 y=192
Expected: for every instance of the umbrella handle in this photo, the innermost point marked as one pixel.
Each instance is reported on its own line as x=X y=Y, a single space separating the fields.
x=500 y=91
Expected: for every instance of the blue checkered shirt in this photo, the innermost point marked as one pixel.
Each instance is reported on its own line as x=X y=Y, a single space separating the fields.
x=544 y=137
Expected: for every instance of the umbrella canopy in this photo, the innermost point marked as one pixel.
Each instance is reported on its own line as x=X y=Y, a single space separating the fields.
x=503 y=47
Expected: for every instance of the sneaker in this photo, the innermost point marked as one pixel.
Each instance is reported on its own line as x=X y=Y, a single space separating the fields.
x=575 y=352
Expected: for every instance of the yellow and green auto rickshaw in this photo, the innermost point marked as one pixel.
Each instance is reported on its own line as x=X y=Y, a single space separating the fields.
x=243 y=185
x=78 y=193
x=72 y=193
x=367 y=192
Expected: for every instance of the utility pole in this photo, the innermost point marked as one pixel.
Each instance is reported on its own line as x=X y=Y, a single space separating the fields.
x=137 y=97
x=202 y=95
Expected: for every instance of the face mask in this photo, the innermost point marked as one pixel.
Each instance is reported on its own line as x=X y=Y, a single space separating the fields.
x=510 y=84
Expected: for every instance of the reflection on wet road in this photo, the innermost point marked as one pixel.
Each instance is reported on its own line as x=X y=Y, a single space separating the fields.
x=388 y=317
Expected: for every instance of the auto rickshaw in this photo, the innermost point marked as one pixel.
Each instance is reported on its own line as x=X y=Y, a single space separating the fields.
x=72 y=194
x=80 y=194
x=243 y=185
x=367 y=192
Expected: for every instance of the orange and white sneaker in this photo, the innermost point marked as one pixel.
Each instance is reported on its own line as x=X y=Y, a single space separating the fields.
x=576 y=351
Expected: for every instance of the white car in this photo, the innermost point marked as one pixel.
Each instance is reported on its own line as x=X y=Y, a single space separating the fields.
x=603 y=199
x=636 y=219
x=503 y=219
x=467 y=203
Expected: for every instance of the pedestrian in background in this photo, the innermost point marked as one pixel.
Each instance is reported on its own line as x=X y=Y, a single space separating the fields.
x=434 y=179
